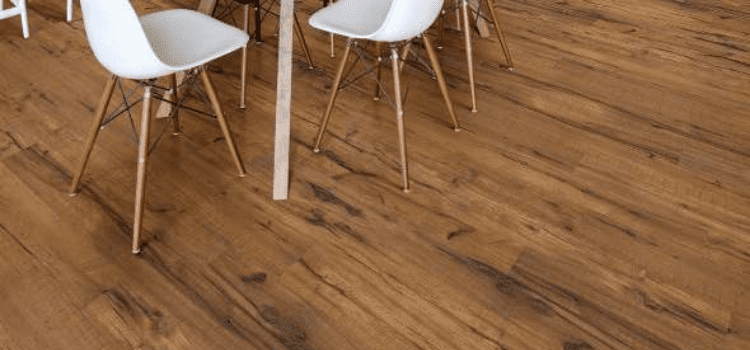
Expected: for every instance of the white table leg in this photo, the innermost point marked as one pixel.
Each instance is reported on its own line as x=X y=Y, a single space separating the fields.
x=283 y=102
x=283 y=96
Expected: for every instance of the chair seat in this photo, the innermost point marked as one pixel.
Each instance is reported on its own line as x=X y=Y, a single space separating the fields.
x=184 y=39
x=353 y=19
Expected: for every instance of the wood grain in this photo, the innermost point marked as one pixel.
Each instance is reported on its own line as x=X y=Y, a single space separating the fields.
x=599 y=200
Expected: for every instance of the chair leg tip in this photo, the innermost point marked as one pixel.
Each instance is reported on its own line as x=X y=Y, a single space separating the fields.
x=242 y=175
x=474 y=110
x=510 y=69
x=376 y=98
x=316 y=150
x=72 y=194
x=136 y=251
x=457 y=129
x=241 y=107
x=406 y=190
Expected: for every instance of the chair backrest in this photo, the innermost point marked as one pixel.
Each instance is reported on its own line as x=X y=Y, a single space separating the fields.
x=118 y=40
x=407 y=19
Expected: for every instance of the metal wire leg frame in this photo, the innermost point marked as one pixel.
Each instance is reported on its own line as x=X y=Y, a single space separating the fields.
x=144 y=145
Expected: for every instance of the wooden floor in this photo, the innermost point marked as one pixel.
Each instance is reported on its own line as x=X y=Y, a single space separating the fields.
x=599 y=199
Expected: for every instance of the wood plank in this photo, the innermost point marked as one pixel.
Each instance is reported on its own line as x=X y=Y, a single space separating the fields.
x=599 y=200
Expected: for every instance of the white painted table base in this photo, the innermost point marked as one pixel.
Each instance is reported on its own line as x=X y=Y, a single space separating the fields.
x=283 y=102
x=283 y=96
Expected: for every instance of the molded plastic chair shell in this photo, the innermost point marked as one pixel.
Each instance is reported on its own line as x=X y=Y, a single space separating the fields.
x=377 y=20
x=158 y=44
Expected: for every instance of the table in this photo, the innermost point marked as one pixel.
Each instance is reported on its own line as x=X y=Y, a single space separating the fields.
x=283 y=96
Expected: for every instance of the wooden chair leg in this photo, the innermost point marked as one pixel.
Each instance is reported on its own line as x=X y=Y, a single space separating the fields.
x=378 y=63
x=333 y=49
x=404 y=55
x=457 y=12
x=222 y=122
x=243 y=65
x=330 y=37
x=93 y=132
x=301 y=37
x=441 y=80
x=334 y=93
x=400 y=118
x=173 y=97
x=258 y=20
x=499 y=32
x=140 y=184
x=441 y=29
x=469 y=53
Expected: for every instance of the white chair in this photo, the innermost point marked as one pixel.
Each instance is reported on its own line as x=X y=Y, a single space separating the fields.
x=156 y=45
x=390 y=21
x=19 y=8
